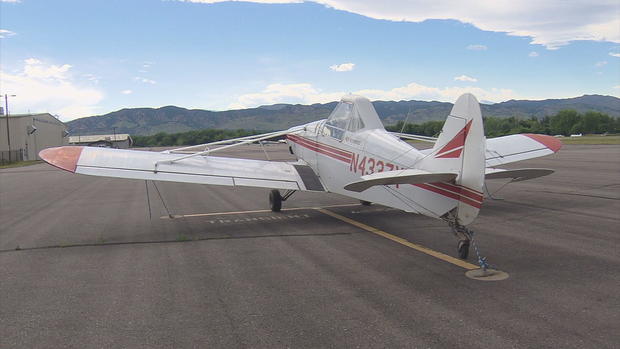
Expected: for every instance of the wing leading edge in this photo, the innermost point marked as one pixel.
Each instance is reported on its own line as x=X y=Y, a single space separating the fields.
x=213 y=170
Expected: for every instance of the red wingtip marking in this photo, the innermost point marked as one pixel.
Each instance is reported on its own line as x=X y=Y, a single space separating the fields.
x=65 y=158
x=550 y=142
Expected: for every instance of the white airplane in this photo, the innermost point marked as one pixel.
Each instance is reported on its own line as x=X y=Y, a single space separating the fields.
x=349 y=153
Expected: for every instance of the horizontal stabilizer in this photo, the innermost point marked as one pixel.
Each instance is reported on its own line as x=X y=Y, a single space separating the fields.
x=409 y=176
x=513 y=148
x=519 y=147
x=517 y=175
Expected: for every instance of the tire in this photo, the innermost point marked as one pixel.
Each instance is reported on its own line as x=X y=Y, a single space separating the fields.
x=463 y=249
x=365 y=203
x=275 y=200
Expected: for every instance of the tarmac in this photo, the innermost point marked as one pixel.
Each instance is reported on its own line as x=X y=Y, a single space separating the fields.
x=96 y=262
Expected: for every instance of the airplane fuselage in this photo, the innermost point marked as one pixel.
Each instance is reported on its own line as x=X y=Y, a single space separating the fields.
x=346 y=157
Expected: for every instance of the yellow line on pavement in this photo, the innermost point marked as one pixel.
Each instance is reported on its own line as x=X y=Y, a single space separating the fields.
x=420 y=248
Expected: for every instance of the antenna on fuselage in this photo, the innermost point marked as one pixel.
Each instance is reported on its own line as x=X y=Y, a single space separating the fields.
x=406 y=119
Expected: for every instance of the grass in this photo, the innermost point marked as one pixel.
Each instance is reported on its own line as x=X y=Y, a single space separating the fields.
x=21 y=163
x=592 y=139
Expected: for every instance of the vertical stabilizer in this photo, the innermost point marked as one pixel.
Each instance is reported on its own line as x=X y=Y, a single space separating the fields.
x=460 y=148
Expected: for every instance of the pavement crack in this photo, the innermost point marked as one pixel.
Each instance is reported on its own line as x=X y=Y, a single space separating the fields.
x=522 y=204
x=184 y=240
x=575 y=194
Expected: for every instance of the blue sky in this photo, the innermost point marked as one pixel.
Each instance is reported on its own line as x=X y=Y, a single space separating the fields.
x=81 y=58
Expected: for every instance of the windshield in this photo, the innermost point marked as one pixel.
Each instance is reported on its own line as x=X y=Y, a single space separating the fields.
x=344 y=117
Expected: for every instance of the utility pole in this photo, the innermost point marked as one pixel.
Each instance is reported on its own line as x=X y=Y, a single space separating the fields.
x=6 y=113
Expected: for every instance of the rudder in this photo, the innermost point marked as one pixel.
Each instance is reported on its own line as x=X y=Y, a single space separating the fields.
x=460 y=148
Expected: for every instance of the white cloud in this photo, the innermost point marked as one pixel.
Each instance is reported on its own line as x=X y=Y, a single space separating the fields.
x=285 y=93
x=257 y=1
x=307 y=94
x=13 y=1
x=613 y=54
x=92 y=78
x=342 y=67
x=34 y=68
x=447 y=94
x=552 y=23
x=145 y=80
x=126 y=92
x=30 y=61
x=145 y=67
x=600 y=64
x=617 y=86
x=4 y=33
x=477 y=47
x=533 y=54
x=42 y=87
x=465 y=78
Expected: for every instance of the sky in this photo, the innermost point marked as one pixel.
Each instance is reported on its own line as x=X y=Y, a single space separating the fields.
x=78 y=58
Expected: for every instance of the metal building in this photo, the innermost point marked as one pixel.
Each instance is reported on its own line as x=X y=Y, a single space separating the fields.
x=120 y=140
x=28 y=134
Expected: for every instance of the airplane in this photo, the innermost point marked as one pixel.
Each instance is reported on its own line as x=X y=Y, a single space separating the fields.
x=349 y=153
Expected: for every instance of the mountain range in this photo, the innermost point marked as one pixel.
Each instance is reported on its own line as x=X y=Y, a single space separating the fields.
x=171 y=119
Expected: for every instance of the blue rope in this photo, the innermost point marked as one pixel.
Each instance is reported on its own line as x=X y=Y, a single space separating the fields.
x=482 y=261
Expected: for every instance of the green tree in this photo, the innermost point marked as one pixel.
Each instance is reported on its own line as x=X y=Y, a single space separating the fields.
x=563 y=122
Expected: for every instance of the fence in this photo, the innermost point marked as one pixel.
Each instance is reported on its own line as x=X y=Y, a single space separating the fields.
x=15 y=155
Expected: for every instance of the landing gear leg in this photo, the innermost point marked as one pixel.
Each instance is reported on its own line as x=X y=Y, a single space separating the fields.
x=275 y=199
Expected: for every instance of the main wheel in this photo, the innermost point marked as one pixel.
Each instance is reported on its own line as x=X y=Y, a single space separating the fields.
x=463 y=249
x=275 y=200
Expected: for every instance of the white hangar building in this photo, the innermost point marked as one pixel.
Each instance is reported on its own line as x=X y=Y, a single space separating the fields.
x=27 y=134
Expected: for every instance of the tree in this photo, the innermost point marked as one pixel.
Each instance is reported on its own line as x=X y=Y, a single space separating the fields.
x=562 y=123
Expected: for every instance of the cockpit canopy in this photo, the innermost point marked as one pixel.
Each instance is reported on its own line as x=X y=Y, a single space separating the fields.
x=352 y=114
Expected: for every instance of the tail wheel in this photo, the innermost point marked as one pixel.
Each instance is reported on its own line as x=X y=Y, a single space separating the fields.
x=463 y=249
x=275 y=200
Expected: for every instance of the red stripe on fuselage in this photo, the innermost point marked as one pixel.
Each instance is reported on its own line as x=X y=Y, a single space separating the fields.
x=470 y=193
x=321 y=145
x=450 y=195
x=322 y=148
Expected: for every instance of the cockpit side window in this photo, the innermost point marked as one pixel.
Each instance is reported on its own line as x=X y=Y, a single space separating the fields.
x=355 y=122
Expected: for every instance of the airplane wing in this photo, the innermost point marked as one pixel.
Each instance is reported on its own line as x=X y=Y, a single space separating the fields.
x=169 y=167
x=507 y=149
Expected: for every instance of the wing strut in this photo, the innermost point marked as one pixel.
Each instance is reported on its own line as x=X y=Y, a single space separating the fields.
x=207 y=151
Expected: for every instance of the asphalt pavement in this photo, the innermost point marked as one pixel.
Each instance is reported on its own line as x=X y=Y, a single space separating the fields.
x=98 y=262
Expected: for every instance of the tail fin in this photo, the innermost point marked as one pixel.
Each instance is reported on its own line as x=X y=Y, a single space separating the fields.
x=460 y=149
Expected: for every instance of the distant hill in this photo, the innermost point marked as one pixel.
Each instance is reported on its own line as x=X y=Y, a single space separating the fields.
x=171 y=119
